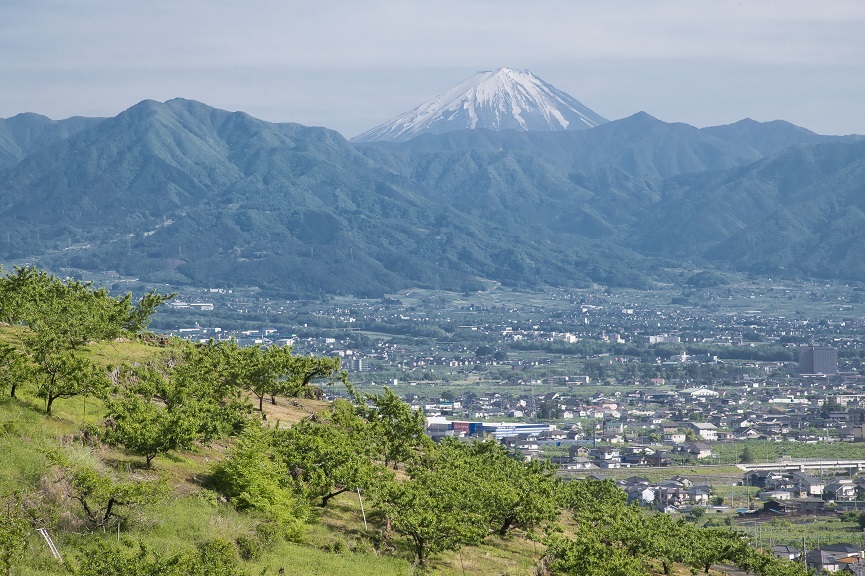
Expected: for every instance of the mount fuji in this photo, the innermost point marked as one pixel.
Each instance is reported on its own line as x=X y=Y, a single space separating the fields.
x=502 y=99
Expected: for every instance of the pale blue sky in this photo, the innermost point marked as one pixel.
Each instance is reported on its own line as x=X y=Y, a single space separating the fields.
x=350 y=65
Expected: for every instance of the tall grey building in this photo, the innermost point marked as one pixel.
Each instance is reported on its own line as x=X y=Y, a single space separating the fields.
x=818 y=360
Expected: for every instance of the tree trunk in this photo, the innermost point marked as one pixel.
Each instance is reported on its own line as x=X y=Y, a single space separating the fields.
x=326 y=499
x=419 y=550
x=14 y=386
x=49 y=402
x=108 y=511
x=90 y=515
x=505 y=526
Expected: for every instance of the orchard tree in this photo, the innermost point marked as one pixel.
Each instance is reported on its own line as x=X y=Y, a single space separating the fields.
x=590 y=499
x=146 y=429
x=216 y=557
x=668 y=540
x=105 y=497
x=398 y=431
x=70 y=312
x=60 y=317
x=173 y=403
x=64 y=374
x=707 y=546
x=588 y=555
x=512 y=493
x=261 y=372
x=194 y=380
x=303 y=370
x=252 y=476
x=331 y=456
x=435 y=509
x=601 y=512
x=14 y=366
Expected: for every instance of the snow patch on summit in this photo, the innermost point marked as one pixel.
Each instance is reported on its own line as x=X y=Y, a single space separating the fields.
x=502 y=99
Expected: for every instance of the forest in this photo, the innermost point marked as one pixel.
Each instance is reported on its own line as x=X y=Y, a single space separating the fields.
x=139 y=454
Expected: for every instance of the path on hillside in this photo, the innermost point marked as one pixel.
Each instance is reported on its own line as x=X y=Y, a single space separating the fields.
x=730 y=570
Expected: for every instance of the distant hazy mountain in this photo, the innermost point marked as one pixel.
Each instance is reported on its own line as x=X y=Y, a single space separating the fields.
x=502 y=99
x=799 y=212
x=183 y=193
x=24 y=133
x=640 y=146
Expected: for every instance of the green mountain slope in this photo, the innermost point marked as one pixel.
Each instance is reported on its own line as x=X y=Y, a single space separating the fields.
x=182 y=193
x=798 y=212
x=23 y=134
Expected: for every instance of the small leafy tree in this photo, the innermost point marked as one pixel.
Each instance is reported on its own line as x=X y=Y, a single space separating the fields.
x=196 y=381
x=70 y=312
x=212 y=558
x=174 y=403
x=709 y=546
x=332 y=456
x=253 y=477
x=398 y=431
x=262 y=372
x=512 y=493
x=306 y=369
x=588 y=555
x=146 y=429
x=64 y=374
x=106 y=497
x=434 y=510
x=668 y=540
x=60 y=318
x=14 y=367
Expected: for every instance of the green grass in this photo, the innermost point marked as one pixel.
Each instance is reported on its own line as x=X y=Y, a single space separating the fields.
x=114 y=352
x=764 y=450
x=24 y=433
x=713 y=475
x=819 y=531
x=300 y=560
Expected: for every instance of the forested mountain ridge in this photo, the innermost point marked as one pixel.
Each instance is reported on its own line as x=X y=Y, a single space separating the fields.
x=25 y=133
x=183 y=193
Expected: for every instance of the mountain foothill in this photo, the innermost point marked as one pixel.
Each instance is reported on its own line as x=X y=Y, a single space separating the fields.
x=186 y=194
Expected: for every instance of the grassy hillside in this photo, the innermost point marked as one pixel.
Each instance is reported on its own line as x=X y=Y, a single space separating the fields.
x=333 y=542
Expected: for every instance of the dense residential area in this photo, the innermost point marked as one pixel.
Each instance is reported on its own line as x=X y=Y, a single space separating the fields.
x=683 y=372
x=696 y=402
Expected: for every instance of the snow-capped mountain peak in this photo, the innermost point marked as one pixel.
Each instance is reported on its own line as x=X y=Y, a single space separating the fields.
x=502 y=99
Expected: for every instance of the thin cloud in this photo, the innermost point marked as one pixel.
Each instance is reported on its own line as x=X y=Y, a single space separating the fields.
x=349 y=64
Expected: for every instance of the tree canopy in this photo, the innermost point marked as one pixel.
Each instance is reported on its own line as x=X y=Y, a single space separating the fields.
x=59 y=318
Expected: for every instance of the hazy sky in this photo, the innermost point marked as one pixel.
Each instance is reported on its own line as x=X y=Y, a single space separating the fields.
x=352 y=64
